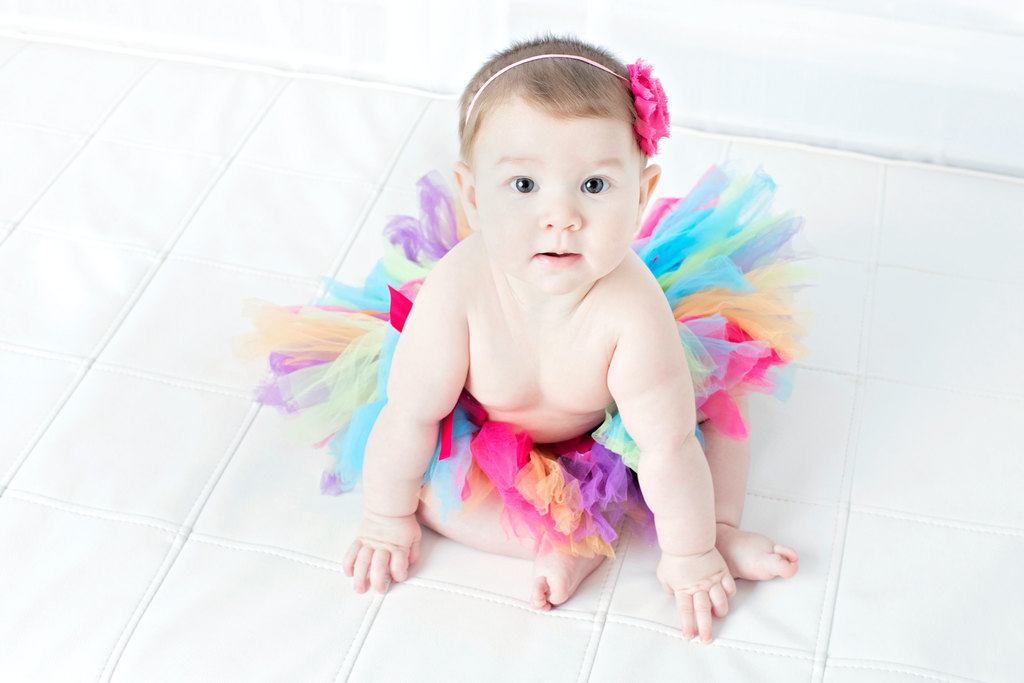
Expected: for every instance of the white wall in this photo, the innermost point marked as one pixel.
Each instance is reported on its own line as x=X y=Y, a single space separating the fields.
x=933 y=81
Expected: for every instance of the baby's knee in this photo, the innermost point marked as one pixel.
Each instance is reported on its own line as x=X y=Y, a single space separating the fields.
x=427 y=511
x=478 y=526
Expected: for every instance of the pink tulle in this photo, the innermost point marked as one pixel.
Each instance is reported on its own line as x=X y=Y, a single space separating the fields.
x=662 y=206
x=571 y=495
x=722 y=410
x=491 y=448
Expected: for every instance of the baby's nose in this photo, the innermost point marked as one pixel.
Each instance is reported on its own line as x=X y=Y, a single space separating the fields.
x=562 y=213
x=570 y=224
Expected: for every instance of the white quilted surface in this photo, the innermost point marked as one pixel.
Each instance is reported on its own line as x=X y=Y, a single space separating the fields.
x=155 y=524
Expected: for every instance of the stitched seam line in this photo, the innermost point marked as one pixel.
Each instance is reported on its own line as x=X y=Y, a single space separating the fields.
x=842 y=522
x=603 y=604
x=174 y=551
x=78 y=379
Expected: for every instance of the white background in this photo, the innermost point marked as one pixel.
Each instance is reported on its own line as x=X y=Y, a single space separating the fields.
x=162 y=162
x=931 y=80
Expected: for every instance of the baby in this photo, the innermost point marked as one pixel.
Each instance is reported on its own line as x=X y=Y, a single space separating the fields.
x=546 y=316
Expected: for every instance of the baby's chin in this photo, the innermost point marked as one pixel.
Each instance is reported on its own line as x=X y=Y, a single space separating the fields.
x=546 y=278
x=567 y=274
x=558 y=276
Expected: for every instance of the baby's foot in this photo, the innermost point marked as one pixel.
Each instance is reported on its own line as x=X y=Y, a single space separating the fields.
x=556 y=575
x=753 y=556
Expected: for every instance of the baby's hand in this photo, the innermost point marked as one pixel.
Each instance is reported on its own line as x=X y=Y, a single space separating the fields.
x=384 y=549
x=697 y=582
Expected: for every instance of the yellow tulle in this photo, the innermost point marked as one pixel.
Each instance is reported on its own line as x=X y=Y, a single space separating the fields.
x=351 y=382
x=309 y=334
x=764 y=314
x=347 y=345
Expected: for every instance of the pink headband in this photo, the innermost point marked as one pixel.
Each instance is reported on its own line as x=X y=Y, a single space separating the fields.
x=652 y=122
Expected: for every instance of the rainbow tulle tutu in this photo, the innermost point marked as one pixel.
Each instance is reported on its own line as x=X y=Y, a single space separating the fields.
x=727 y=267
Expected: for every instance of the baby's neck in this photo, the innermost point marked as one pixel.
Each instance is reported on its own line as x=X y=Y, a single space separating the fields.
x=536 y=306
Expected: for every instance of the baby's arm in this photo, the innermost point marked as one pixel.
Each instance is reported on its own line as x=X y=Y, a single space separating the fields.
x=428 y=373
x=650 y=382
x=649 y=379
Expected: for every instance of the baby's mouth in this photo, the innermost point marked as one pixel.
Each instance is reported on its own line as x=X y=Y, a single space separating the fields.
x=557 y=254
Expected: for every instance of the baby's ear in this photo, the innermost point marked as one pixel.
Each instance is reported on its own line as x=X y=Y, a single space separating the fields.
x=466 y=185
x=648 y=181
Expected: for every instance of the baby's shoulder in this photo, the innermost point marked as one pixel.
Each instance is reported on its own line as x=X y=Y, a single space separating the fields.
x=632 y=295
x=458 y=261
x=630 y=283
x=450 y=271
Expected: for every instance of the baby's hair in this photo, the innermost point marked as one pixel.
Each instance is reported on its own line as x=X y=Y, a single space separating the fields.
x=561 y=88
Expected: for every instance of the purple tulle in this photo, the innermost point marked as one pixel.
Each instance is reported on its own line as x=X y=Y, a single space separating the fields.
x=607 y=489
x=283 y=363
x=434 y=233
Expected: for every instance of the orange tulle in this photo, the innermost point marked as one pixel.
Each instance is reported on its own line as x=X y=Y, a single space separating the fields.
x=309 y=332
x=541 y=482
x=762 y=315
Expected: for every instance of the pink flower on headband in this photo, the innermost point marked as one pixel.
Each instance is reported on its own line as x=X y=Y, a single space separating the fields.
x=651 y=107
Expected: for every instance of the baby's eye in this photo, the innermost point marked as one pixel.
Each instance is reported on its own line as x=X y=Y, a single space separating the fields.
x=521 y=182
x=591 y=186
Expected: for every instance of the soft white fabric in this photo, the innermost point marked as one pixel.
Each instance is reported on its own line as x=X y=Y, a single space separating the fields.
x=156 y=524
x=937 y=81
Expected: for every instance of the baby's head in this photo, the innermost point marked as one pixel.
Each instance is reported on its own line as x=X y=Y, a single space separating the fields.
x=550 y=163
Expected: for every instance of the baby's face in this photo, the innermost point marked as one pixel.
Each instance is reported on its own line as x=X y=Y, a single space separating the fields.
x=539 y=184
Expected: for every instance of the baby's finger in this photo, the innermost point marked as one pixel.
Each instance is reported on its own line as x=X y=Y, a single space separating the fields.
x=414 y=553
x=702 y=608
x=684 y=603
x=729 y=584
x=350 y=557
x=362 y=565
x=400 y=565
x=380 y=575
x=719 y=599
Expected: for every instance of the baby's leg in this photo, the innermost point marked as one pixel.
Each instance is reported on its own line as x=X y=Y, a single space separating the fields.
x=729 y=461
x=749 y=555
x=556 y=575
x=479 y=527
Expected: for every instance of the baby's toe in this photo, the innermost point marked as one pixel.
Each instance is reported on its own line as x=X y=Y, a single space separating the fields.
x=786 y=552
x=781 y=566
x=539 y=600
